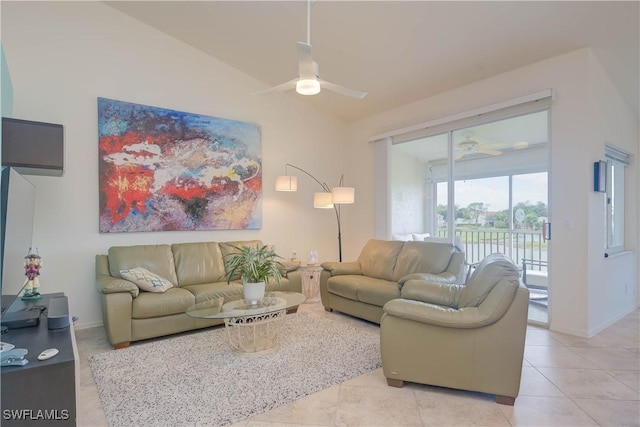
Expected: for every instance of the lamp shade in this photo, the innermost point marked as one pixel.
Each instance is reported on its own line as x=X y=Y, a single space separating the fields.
x=322 y=200
x=287 y=183
x=343 y=195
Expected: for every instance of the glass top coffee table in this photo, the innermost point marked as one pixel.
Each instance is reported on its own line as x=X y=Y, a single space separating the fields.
x=252 y=329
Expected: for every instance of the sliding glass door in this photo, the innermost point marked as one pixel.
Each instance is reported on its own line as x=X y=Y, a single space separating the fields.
x=483 y=187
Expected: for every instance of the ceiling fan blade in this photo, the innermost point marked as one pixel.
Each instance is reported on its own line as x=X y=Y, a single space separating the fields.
x=493 y=145
x=306 y=68
x=520 y=145
x=342 y=90
x=291 y=84
x=489 y=152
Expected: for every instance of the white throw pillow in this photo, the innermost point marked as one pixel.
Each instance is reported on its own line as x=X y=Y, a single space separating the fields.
x=401 y=237
x=146 y=280
x=419 y=237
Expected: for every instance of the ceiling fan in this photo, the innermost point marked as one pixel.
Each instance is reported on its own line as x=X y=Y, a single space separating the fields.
x=308 y=81
x=470 y=146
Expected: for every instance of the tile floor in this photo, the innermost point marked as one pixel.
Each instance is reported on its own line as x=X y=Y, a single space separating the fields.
x=566 y=381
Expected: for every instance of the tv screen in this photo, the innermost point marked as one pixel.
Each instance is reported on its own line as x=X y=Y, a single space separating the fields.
x=16 y=228
x=33 y=148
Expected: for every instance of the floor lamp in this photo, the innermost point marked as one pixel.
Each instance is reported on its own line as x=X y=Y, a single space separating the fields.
x=327 y=199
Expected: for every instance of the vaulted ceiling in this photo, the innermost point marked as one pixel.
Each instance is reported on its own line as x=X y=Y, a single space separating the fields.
x=400 y=51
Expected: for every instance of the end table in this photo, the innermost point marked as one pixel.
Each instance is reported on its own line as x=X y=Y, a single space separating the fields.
x=311 y=282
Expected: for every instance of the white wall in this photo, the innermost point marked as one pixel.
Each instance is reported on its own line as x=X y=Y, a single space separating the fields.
x=613 y=281
x=407 y=194
x=577 y=140
x=64 y=55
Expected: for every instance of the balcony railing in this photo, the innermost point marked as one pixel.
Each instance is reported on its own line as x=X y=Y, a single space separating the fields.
x=519 y=244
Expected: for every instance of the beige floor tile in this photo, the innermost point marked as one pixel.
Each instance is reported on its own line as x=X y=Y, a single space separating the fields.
x=537 y=336
x=596 y=341
x=370 y=379
x=555 y=357
x=533 y=383
x=614 y=413
x=363 y=406
x=546 y=411
x=588 y=383
x=447 y=407
x=89 y=407
x=611 y=358
x=627 y=334
x=316 y=409
x=628 y=378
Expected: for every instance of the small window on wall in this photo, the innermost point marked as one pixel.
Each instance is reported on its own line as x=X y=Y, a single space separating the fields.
x=616 y=163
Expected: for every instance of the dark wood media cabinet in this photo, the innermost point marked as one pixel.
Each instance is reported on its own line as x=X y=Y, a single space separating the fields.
x=41 y=393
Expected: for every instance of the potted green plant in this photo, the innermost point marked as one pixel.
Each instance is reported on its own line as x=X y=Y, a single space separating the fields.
x=255 y=265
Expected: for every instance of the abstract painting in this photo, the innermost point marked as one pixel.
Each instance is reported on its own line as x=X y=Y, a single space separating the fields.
x=166 y=170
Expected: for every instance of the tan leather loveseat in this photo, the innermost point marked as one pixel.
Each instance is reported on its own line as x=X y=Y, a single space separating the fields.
x=466 y=337
x=360 y=288
x=196 y=271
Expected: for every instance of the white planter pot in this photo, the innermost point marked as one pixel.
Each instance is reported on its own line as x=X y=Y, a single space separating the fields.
x=253 y=292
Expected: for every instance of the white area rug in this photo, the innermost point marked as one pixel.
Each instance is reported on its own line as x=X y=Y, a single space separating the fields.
x=197 y=380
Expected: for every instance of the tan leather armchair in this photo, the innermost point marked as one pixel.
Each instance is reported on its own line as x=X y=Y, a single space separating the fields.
x=468 y=337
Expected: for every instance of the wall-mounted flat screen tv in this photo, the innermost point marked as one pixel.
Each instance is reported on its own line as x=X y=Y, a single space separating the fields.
x=33 y=148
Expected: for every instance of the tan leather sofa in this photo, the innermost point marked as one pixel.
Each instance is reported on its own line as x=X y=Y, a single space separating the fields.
x=195 y=269
x=362 y=287
x=465 y=337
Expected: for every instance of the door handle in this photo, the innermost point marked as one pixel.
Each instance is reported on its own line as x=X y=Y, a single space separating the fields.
x=546 y=230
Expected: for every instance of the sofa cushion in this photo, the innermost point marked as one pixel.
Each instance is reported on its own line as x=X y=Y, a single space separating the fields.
x=205 y=291
x=198 y=263
x=149 y=305
x=377 y=292
x=487 y=274
x=155 y=258
x=146 y=280
x=378 y=258
x=423 y=257
x=363 y=288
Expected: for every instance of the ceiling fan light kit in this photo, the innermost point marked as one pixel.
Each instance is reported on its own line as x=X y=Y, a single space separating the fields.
x=308 y=86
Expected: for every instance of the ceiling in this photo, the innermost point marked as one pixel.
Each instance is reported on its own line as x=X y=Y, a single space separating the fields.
x=400 y=51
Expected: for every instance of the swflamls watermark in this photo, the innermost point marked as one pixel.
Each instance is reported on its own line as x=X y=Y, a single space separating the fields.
x=35 y=414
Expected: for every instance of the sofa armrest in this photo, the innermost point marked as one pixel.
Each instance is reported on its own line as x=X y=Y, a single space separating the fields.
x=433 y=292
x=418 y=311
x=116 y=316
x=286 y=267
x=340 y=268
x=109 y=285
x=444 y=278
x=492 y=309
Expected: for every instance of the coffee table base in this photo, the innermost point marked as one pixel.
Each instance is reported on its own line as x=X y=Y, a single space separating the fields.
x=254 y=335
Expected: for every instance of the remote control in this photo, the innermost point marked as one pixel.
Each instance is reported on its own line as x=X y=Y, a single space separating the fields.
x=48 y=353
x=5 y=346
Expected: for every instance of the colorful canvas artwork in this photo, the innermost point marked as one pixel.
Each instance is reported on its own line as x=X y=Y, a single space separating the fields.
x=166 y=170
